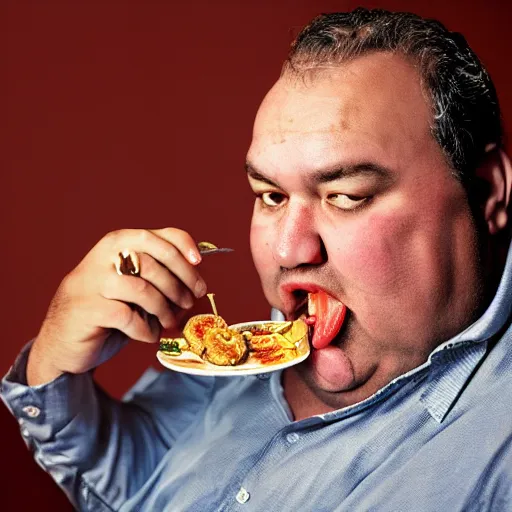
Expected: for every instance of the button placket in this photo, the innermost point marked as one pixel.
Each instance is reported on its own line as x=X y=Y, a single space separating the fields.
x=292 y=437
x=31 y=411
x=242 y=496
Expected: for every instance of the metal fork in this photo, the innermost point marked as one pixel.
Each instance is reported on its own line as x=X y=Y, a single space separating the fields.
x=209 y=248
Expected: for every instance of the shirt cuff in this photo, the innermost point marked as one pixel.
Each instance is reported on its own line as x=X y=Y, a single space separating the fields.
x=45 y=409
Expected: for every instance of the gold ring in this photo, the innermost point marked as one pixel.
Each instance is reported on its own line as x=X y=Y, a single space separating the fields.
x=127 y=263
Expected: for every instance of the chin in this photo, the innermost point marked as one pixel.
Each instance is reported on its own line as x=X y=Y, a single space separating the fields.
x=323 y=388
x=337 y=375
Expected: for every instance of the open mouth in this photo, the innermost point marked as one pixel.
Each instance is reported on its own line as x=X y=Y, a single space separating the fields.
x=321 y=311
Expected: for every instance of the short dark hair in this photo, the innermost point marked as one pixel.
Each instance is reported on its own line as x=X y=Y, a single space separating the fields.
x=465 y=109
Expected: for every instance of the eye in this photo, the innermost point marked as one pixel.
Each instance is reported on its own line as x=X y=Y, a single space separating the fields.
x=345 y=201
x=271 y=198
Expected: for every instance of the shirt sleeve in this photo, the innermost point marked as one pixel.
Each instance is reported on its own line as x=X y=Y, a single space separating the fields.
x=89 y=442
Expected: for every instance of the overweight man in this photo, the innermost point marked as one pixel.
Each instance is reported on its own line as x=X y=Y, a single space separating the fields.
x=381 y=183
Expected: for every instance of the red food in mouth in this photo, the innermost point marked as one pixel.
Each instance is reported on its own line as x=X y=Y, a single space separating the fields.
x=329 y=315
x=310 y=320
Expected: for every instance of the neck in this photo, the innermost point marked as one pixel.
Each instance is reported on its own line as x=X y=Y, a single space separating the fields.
x=301 y=399
x=494 y=262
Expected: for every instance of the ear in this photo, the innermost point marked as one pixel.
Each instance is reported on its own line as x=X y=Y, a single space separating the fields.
x=496 y=171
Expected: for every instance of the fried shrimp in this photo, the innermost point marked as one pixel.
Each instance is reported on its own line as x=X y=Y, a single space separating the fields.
x=196 y=329
x=224 y=347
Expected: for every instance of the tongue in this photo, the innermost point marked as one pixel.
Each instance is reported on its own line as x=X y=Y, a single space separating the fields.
x=329 y=314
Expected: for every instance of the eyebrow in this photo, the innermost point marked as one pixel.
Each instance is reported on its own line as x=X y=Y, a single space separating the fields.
x=330 y=175
x=258 y=176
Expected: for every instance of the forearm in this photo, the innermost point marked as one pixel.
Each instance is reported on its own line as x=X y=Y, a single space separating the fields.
x=40 y=370
x=83 y=438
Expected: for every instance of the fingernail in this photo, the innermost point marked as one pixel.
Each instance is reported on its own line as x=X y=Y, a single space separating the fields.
x=200 y=288
x=188 y=302
x=194 y=257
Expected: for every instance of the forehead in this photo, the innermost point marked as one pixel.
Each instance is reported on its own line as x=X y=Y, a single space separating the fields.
x=373 y=107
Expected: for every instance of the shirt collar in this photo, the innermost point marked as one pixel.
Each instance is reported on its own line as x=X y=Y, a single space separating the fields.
x=453 y=362
x=495 y=316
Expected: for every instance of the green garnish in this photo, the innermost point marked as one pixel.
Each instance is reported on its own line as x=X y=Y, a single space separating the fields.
x=170 y=347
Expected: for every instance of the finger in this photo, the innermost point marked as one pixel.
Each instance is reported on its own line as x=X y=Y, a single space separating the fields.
x=164 y=281
x=164 y=251
x=187 y=252
x=119 y=315
x=135 y=290
x=182 y=241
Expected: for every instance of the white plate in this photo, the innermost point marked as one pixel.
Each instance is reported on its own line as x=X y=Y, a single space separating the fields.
x=194 y=365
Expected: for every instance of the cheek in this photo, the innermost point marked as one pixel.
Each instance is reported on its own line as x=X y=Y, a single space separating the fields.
x=372 y=257
x=378 y=283
x=260 y=240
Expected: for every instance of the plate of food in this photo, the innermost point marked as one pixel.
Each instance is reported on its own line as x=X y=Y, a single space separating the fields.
x=209 y=346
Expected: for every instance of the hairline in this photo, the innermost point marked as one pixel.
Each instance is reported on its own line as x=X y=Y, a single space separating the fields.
x=315 y=66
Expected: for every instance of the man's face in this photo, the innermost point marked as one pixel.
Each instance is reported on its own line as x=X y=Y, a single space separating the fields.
x=354 y=197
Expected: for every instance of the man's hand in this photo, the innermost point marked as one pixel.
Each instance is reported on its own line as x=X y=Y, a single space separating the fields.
x=93 y=299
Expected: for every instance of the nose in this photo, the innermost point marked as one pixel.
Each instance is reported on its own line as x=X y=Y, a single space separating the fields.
x=298 y=242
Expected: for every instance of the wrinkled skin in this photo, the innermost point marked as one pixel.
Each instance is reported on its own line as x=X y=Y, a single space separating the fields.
x=399 y=248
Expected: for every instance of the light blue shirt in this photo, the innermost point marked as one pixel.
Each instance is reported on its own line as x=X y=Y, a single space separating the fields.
x=438 y=438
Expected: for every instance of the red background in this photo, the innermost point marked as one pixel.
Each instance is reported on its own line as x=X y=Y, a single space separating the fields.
x=139 y=114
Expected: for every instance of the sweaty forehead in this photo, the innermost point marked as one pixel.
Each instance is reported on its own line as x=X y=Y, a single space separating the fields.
x=374 y=103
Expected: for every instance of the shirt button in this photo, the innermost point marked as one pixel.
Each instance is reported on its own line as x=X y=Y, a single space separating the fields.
x=242 y=496
x=292 y=437
x=263 y=376
x=24 y=432
x=31 y=411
